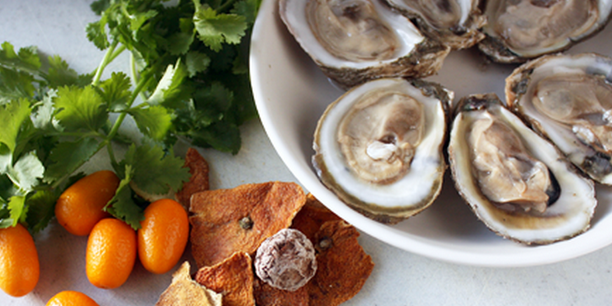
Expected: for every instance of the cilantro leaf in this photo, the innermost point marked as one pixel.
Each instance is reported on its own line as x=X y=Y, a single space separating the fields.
x=155 y=171
x=14 y=85
x=248 y=9
x=96 y=33
x=215 y=29
x=80 y=108
x=169 y=88
x=42 y=115
x=16 y=206
x=196 y=62
x=27 y=171
x=153 y=121
x=12 y=117
x=100 y=6
x=66 y=157
x=122 y=206
x=41 y=209
x=221 y=136
x=26 y=60
x=116 y=91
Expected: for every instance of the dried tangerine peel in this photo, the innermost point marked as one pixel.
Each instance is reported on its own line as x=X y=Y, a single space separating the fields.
x=185 y=291
x=266 y=295
x=199 y=180
x=310 y=218
x=233 y=278
x=343 y=265
x=226 y=221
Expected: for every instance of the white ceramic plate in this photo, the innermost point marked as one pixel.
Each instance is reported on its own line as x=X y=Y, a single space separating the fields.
x=291 y=94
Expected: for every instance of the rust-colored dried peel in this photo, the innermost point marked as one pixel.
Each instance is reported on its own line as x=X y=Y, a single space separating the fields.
x=343 y=265
x=233 y=278
x=312 y=216
x=266 y=295
x=198 y=168
x=183 y=291
x=226 y=221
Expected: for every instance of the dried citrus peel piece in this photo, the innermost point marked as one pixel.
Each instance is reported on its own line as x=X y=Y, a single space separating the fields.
x=185 y=291
x=226 y=221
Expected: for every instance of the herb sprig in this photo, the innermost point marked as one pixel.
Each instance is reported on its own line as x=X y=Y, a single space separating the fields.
x=189 y=81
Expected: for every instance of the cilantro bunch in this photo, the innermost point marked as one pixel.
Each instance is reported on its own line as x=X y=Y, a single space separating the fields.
x=189 y=81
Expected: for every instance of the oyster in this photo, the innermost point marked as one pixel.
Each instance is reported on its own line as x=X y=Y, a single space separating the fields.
x=515 y=181
x=567 y=98
x=518 y=30
x=353 y=41
x=379 y=147
x=455 y=23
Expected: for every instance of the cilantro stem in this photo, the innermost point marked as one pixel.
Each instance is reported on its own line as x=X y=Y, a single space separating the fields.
x=110 y=55
x=225 y=6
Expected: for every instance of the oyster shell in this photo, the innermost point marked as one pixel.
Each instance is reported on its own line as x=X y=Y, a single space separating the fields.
x=455 y=23
x=567 y=98
x=353 y=41
x=515 y=181
x=518 y=30
x=379 y=147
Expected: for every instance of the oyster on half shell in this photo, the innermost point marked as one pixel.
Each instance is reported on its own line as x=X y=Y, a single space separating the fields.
x=379 y=147
x=515 y=181
x=568 y=99
x=518 y=30
x=455 y=23
x=353 y=41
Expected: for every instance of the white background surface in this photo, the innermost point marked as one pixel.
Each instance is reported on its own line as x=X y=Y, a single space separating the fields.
x=399 y=277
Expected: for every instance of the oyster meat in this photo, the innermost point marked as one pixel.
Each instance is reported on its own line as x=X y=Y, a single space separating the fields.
x=379 y=147
x=568 y=99
x=518 y=30
x=455 y=23
x=353 y=41
x=515 y=181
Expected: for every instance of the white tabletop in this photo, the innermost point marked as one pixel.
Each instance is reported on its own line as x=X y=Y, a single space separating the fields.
x=399 y=277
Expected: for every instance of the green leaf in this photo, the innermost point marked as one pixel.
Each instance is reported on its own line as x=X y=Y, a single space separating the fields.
x=12 y=117
x=60 y=74
x=221 y=136
x=153 y=121
x=27 y=171
x=215 y=29
x=16 y=206
x=26 y=60
x=100 y=6
x=196 y=62
x=42 y=115
x=248 y=9
x=7 y=189
x=122 y=206
x=116 y=91
x=15 y=85
x=156 y=171
x=80 y=108
x=66 y=157
x=178 y=43
x=41 y=209
x=96 y=33
x=169 y=89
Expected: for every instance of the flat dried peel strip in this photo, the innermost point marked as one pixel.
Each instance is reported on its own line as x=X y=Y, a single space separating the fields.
x=199 y=180
x=233 y=278
x=343 y=265
x=226 y=221
x=186 y=292
x=310 y=218
x=266 y=295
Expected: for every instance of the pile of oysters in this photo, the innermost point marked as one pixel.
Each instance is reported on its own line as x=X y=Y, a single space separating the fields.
x=526 y=166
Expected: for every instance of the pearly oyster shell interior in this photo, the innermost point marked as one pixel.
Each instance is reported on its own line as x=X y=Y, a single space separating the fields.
x=515 y=181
